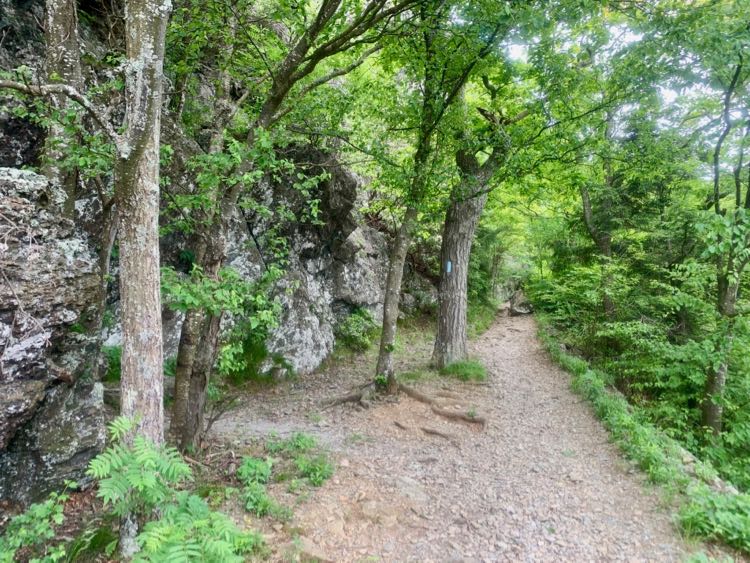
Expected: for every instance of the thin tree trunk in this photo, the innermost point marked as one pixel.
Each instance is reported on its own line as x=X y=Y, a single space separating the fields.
x=199 y=380
x=186 y=352
x=461 y=220
x=63 y=65
x=396 y=262
x=712 y=408
x=199 y=336
x=137 y=200
x=603 y=241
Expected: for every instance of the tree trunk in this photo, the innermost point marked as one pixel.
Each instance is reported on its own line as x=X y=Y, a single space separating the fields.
x=186 y=352
x=603 y=241
x=63 y=65
x=712 y=408
x=199 y=341
x=396 y=262
x=461 y=221
x=137 y=200
x=199 y=380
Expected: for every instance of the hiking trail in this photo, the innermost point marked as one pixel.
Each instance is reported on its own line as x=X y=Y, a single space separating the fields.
x=539 y=482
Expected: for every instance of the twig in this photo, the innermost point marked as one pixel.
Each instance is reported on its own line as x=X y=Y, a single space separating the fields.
x=195 y=462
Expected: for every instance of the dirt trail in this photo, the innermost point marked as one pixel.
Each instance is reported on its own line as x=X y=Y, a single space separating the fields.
x=540 y=482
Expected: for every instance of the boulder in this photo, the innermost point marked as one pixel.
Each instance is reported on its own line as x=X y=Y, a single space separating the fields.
x=49 y=280
x=520 y=305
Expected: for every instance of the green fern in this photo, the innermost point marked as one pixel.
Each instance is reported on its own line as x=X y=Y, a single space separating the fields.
x=189 y=530
x=139 y=477
x=143 y=479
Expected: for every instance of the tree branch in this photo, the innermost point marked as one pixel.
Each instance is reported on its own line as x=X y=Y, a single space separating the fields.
x=328 y=77
x=44 y=90
x=728 y=124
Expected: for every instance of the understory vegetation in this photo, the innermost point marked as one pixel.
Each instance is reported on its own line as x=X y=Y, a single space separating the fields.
x=181 y=515
x=705 y=511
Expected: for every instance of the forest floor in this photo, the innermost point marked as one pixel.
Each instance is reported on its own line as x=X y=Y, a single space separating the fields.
x=539 y=482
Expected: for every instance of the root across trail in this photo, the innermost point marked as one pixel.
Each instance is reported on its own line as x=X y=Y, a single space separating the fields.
x=365 y=393
x=535 y=478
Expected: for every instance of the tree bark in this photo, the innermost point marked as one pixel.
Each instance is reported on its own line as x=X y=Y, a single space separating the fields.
x=142 y=362
x=461 y=220
x=186 y=427
x=712 y=408
x=137 y=200
x=63 y=65
x=202 y=331
x=396 y=262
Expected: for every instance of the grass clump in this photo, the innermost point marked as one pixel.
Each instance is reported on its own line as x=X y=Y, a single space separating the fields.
x=301 y=460
x=316 y=469
x=467 y=370
x=299 y=442
x=416 y=375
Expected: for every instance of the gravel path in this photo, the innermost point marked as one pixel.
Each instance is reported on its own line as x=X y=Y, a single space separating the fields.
x=540 y=482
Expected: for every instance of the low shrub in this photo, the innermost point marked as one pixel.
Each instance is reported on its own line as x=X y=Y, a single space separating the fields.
x=254 y=470
x=357 y=331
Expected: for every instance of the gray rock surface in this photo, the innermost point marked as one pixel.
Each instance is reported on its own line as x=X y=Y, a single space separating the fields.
x=48 y=282
x=520 y=304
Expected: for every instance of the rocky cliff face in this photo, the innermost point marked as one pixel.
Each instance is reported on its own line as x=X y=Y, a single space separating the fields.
x=336 y=264
x=51 y=419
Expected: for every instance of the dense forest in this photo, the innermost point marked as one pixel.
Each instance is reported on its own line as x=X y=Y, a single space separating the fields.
x=202 y=201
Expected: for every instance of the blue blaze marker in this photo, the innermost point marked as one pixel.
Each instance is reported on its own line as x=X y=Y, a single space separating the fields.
x=448 y=267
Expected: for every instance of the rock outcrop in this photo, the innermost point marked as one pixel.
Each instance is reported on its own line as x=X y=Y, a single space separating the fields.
x=51 y=419
x=335 y=263
x=520 y=304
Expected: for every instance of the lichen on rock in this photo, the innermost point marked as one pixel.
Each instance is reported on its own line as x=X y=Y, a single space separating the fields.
x=51 y=421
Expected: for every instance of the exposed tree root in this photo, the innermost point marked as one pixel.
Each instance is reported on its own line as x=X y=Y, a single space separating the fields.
x=366 y=392
x=433 y=432
x=437 y=409
x=361 y=396
x=448 y=395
